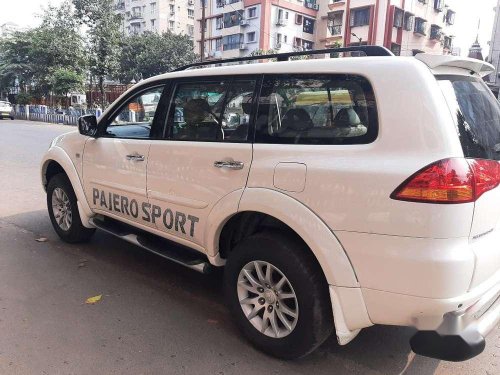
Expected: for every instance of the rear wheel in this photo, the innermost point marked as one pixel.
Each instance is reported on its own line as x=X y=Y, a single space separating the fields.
x=278 y=295
x=63 y=211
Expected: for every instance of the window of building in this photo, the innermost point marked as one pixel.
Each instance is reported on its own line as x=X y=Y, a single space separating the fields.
x=153 y=8
x=438 y=5
x=316 y=109
x=191 y=13
x=435 y=32
x=153 y=24
x=219 y=24
x=251 y=37
x=398 y=18
x=448 y=42
x=409 y=22
x=218 y=44
x=171 y=25
x=298 y=19
x=396 y=49
x=420 y=26
x=214 y=111
x=308 y=26
x=307 y=45
x=219 y=3
x=233 y=18
x=360 y=17
x=334 y=23
x=172 y=8
x=450 y=17
x=252 y=12
x=423 y=1
x=286 y=15
x=285 y=39
x=230 y=42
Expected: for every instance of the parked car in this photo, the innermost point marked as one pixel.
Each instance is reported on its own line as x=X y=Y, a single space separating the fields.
x=6 y=110
x=361 y=191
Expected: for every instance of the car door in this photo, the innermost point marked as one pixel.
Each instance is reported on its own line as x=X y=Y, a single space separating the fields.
x=205 y=155
x=114 y=163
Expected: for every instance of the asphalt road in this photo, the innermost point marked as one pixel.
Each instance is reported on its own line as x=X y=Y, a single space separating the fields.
x=154 y=317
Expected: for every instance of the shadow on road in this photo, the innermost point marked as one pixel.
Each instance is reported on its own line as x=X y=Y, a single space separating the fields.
x=379 y=349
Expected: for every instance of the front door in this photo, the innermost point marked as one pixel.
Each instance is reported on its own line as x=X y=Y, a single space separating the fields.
x=205 y=155
x=114 y=164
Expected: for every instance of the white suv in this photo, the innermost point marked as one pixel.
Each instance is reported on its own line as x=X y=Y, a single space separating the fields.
x=338 y=193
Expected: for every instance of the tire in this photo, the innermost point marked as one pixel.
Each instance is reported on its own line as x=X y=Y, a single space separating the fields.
x=72 y=230
x=290 y=258
x=12 y=117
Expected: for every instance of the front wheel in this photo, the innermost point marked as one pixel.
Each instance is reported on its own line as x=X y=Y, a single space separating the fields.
x=63 y=211
x=278 y=295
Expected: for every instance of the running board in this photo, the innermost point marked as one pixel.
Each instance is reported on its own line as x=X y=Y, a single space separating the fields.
x=167 y=249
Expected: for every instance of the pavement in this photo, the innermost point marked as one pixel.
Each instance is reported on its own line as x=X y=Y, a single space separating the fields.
x=155 y=317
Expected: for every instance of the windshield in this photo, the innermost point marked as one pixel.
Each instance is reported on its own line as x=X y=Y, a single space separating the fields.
x=477 y=115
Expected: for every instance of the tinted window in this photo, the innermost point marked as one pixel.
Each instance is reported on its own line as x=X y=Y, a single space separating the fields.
x=316 y=109
x=477 y=115
x=212 y=111
x=135 y=118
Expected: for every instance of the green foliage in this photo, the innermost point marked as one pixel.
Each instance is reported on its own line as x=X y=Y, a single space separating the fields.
x=150 y=54
x=103 y=33
x=23 y=98
x=64 y=81
x=30 y=58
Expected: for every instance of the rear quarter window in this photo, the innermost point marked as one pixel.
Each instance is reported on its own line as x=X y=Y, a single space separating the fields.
x=476 y=112
x=316 y=109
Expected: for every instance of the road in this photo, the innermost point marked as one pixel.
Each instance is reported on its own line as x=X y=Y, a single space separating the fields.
x=154 y=317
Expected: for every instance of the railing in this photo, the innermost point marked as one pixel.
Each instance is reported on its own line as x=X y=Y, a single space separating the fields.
x=70 y=118
x=335 y=29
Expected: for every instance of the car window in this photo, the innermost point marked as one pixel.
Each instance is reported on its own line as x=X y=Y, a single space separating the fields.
x=316 y=109
x=212 y=111
x=477 y=115
x=135 y=118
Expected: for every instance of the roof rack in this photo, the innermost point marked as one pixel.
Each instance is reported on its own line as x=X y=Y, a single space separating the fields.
x=368 y=51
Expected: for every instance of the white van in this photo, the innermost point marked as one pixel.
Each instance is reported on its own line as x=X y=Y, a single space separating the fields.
x=337 y=193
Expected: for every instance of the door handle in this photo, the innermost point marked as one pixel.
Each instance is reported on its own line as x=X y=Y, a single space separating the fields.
x=135 y=157
x=229 y=164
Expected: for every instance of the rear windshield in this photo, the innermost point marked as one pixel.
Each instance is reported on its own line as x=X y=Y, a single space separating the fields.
x=477 y=115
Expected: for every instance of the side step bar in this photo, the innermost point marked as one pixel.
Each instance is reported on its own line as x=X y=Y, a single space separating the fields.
x=177 y=253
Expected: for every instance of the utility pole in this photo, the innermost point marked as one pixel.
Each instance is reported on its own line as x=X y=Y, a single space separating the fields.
x=202 y=46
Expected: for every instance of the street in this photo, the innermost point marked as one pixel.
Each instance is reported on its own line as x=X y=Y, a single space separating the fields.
x=155 y=317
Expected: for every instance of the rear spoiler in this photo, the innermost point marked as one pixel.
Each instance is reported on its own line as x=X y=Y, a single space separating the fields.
x=477 y=66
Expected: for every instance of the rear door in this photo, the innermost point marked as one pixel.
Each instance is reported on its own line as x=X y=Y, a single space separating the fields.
x=477 y=117
x=205 y=154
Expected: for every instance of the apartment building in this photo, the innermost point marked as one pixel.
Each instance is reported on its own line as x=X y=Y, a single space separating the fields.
x=159 y=16
x=406 y=27
x=235 y=28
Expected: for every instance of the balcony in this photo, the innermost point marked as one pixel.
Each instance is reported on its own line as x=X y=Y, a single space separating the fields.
x=420 y=26
x=311 y=5
x=335 y=30
x=436 y=33
x=135 y=16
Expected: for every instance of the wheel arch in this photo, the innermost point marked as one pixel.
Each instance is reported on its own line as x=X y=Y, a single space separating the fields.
x=265 y=207
x=57 y=161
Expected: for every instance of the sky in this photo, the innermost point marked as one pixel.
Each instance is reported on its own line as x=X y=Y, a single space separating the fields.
x=469 y=12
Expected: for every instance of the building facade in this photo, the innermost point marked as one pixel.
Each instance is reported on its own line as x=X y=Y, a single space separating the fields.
x=235 y=28
x=494 y=52
x=139 y=16
x=406 y=27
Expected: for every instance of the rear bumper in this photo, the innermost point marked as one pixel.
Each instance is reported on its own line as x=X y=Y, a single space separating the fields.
x=462 y=333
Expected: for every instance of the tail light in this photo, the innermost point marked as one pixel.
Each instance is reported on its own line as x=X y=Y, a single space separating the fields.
x=454 y=180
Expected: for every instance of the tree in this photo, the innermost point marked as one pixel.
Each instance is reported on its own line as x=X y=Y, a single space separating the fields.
x=103 y=37
x=150 y=54
x=65 y=81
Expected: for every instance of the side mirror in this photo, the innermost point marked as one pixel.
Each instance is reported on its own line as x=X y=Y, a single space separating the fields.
x=87 y=125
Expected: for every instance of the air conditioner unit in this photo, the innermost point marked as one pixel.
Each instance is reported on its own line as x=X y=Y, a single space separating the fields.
x=316 y=6
x=244 y=22
x=281 y=22
x=243 y=46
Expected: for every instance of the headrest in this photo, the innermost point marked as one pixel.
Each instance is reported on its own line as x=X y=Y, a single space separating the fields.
x=346 y=118
x=197 y=106
x=297 y=119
